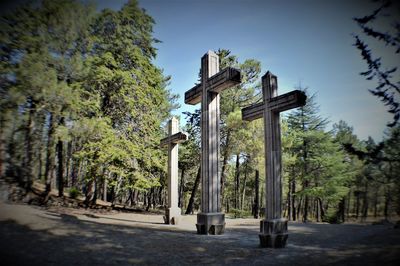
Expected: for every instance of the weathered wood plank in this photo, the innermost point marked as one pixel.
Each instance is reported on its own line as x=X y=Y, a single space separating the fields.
x=224 y=79
x=174 y=139
x=193 y=96
x=253 y=112
x=287 y=101
x=278 y=104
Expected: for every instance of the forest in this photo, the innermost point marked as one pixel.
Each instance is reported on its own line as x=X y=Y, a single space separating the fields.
x=83 y=108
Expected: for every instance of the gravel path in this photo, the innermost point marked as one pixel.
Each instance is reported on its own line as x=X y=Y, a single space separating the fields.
x=31 y=235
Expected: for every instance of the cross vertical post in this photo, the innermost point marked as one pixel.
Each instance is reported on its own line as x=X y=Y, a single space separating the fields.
x=211 y=220
x=175 y=137
x=273 y=229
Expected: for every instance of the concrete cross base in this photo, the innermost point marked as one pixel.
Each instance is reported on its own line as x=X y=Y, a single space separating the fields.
x=273 y=233
x=210 y=223
x=172 y=216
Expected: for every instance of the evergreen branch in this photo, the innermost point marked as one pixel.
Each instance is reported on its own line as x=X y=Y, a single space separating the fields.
x=385 y=37
x=386 y=88
x=364 y=20
x=372 y=155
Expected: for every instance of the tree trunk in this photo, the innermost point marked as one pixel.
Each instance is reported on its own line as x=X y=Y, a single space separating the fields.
x=317 y=213
x=376 y=203
x=256 y=205
x=387 y=204
x=113 y=195
x=149 y=194
x=289 y=200
x=39 y=155
x=181 y=188
x=244 y=188
x=189 y=208
x=341 y=211
x=135 y=197
x=49 y=155
x=153 y=194
x=293 y=201
x=365 y=203
x=95 y=192
x=12 y=167
x=398 y=197
x=321 y=208
x=129 y=198
x=60 y=169
x=348 y=205
x=161 y=196
x=262 y=201
x=88 y=193
x=299 y=208
x=357 y=203
x=306 y=204
x=105 y=189
x=29 y=145
x=2 y=146
x=68 y=164
x=224 y=164
x=237 y=181
x=304 y=174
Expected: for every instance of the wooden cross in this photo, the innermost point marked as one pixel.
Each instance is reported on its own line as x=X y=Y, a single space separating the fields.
x=270 y=108
x=174 y=138
x=207 y=92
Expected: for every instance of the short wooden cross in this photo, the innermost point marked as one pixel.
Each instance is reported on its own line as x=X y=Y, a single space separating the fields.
x=174 y=138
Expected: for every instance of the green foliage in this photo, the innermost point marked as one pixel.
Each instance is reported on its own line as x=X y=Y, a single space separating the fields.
x=331 y=217
x=92 y=74
x=74 y=192
x=319 y=163
x=238 y=213
x=85 y=79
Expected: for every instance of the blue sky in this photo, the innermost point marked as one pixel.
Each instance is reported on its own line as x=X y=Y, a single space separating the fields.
x=305 y=42
x=302 y=42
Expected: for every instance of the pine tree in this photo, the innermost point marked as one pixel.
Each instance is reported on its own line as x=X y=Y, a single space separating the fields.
x=234 y=131
x=344 y=136
x=67 y=70
x=40 y=65
x=319 y=164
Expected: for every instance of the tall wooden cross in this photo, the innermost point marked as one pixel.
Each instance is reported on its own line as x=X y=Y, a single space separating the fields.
x=174 y=138
x=273 y=228
x=211 y=220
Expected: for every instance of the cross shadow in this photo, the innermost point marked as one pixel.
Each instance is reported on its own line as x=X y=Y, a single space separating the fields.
x=122 y=220
x=88 y=242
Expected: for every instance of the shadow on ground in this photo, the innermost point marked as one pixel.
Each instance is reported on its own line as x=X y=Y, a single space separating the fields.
x=72 y=241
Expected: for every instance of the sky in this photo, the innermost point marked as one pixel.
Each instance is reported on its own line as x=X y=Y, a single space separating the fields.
x=307 y=43
x=303 y=42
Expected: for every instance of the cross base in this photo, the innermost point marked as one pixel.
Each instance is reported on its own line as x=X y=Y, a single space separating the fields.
x=210 y=223
x=273 y=233
x=172 y=216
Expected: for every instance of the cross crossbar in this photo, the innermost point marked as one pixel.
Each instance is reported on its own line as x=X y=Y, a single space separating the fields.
x=279 y=104
x=217 y=83
x=253 y=112
x=174 y=139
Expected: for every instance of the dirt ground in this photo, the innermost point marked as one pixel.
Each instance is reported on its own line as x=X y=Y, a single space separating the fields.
x=32 y=235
